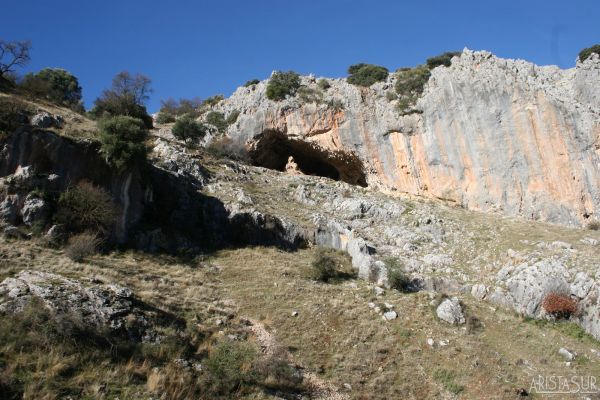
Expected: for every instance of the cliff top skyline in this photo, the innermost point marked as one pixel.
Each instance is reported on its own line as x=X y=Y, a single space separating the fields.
x=203 y=49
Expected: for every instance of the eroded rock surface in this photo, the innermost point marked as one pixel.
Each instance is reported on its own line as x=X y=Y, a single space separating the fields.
x=98 y=305
x=492 y=135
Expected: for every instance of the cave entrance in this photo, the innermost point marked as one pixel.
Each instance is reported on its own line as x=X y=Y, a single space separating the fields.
x=273 y=150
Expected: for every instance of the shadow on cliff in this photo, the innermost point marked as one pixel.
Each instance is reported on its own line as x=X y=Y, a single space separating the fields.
x=159 y=211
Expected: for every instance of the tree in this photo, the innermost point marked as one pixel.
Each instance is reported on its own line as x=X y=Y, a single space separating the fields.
x=587 y=52
x=56 y=85
x=13 y=54
x=282 y=84
x=186 y=127
x=444 y=59
x=127 y=97
x=366 y=74
x=135 y=87
x=122 y=141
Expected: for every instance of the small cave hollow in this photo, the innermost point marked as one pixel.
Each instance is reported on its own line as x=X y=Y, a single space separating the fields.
x=275 y=150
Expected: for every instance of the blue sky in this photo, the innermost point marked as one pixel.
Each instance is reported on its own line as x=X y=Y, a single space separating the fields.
x=201 y=48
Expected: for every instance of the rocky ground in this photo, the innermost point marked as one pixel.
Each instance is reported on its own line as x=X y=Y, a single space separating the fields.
x=348 y=339
x=239 y=311
x=511 y=263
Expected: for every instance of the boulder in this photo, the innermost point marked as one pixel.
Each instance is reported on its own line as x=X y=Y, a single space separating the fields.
x=46 y=120
x=34 y=210
x=451 y=311
x=390 y=315
x=101 y=306
x=479 y=291
x=9 y=211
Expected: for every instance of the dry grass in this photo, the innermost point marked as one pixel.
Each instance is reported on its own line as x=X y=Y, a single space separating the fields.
x=338 y=336
x=335 y=336
x=76 y=126
x=81 y=246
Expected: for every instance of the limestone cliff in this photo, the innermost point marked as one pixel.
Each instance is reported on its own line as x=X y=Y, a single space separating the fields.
x=491 y=134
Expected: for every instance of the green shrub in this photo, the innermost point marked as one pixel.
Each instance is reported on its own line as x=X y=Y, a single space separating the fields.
x=328 y=264
x=324 y=84
x=309 y=95
x=276 y=373
x=446 y=378
x=13 y=114
x=336 y=104
x=213 y=100
x=56 y=85
x=86 y=207
x=397 y=278
x=217 y=119
x=187 y=127
x=282 y=84
x=444 y=59
x=587 y=52
x=251 y=82
x=410 y=83
x=122 y=141
x=126 y=97
x=230 y=365
x=366 y=74
x=232 y=117
x=164 y=118
x=412 y=80
x=81 y=246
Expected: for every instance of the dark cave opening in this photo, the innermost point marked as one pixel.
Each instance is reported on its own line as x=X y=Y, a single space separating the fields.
x=274 y=149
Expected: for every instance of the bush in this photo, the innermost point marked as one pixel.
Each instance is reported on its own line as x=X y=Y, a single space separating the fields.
x=56 y=85
x=587 y=52
x=276 y=373
x=164 y=118
x=336 y=104
x=213 y=100
x=228 y=148
x=251 y=82
x=444 y=59
x=232 y=117
x=324 y=84
x=230 y=365
x=366 y=74
x=447 y=379
x=396 y=277
x=217 y=119
x=187 y=127
x=410 y=83
x=328 y=264
x=86 y=207
x=171 y=108
x=81 y=246
x=13 y=114
x=126 y=97
x=559 y=305
x=309 y=95
x=282 y=84
x=122 y=141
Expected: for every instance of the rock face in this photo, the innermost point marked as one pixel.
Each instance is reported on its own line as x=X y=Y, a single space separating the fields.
x=493 y=135
x=100 y=306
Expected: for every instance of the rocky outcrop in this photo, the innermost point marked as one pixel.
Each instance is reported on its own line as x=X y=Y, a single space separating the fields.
x=492 y=135
x=99 y=306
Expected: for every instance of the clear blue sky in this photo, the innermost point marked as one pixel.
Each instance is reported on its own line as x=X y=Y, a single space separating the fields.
x=201 y=48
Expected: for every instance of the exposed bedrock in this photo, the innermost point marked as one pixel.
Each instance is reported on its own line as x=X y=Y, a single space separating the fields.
x=160 y=206
x=492 y=135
